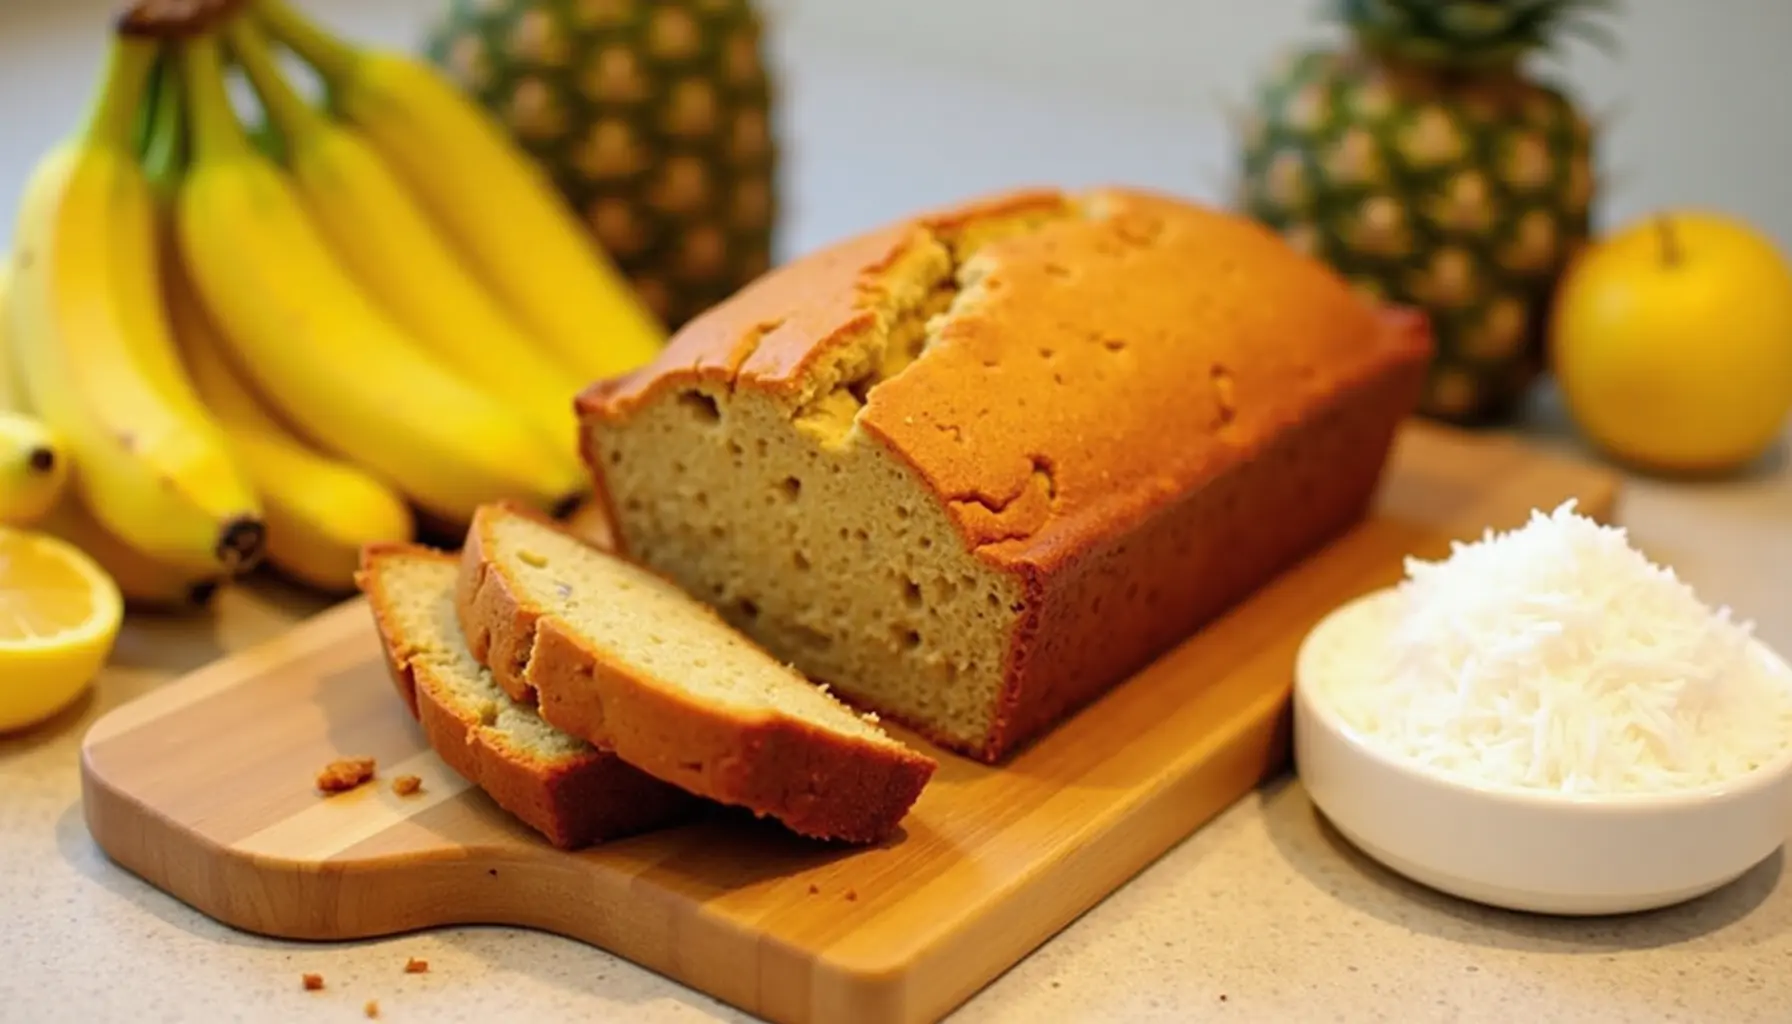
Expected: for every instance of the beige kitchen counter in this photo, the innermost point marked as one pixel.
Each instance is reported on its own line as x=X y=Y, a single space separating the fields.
x=1265 y=915
x=1262 y=916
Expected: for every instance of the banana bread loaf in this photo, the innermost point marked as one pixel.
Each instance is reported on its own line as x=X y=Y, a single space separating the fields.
x=974 y=468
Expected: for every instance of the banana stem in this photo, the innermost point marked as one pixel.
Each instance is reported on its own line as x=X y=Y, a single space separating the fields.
x=292 y=116
x=333 y=58
x=216 y=131
x=165 y=144
x=1670 y=242
x=152 y=93
x=116 y=112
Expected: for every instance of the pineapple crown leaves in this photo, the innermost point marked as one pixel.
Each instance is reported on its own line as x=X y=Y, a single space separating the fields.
x=1472 y=34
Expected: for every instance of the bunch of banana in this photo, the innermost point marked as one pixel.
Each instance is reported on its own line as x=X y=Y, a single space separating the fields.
x=90 y=351
x=312 y=337
x=320 y=510
x=497 y=206
x=42 y=500
x=300 y=342
x=385 y=239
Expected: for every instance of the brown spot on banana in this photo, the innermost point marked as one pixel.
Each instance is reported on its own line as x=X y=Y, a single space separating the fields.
x=240 y=544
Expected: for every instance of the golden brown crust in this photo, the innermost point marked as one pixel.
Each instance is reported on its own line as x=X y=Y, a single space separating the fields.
x=481 y=603
x=1141 y=409
x=817 y=783
x=1124 y=601
x=573 y=802
x=1133 y=421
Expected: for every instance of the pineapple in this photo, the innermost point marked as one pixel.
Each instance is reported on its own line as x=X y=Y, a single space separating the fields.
x=654 y=119
x=1424 y=165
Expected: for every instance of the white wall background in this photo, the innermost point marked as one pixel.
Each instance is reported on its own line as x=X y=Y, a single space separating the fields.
x=894 y=105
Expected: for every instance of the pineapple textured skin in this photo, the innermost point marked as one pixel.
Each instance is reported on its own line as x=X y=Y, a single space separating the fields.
x=1461 y=194
x=653 y=117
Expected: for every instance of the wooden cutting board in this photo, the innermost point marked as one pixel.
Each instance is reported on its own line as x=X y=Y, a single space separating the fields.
x=204 y=788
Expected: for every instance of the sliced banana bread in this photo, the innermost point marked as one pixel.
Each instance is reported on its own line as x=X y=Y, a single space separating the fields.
x=625 y=660
x=561 y=786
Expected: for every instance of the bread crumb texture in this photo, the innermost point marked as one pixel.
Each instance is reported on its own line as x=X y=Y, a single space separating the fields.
x=831 y=559
x=344 y=774
x=419 y=594
x=407 y=785
x=876 y=460
x=647 y=622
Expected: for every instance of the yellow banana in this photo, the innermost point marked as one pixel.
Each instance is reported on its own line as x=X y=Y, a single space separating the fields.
x=90 y=343
x=33 y=469
x=316 y=345
x=146 y=584
x=497 y=205
x=320 y=510
x=389 y=243
x=12 y=390
x=33 y=462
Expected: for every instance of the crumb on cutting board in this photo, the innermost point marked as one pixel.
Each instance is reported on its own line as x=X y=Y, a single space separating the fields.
x=344 y=774
x=416 y=966
x=405 y=785
x=372 y=1009
x=814 y=889
x=852 y=895
x=312 y=982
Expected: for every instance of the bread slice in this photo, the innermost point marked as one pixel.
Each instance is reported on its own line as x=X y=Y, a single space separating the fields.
x=560 y=786
x=627 y=661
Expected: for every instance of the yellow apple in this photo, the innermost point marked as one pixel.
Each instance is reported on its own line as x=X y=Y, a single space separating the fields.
x=1671 y=340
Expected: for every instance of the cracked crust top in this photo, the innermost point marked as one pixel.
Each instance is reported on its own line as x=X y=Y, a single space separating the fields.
x=1036 y=422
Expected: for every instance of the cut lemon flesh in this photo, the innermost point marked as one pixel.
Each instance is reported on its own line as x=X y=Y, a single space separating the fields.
x=59 y=617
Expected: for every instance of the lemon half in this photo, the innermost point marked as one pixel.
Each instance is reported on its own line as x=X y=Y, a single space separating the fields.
x=59 y=617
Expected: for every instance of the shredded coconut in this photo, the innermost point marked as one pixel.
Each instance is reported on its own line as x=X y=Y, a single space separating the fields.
x=1557 y=657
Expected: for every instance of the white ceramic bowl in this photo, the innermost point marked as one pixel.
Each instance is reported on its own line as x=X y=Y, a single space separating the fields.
x=1521 y=849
